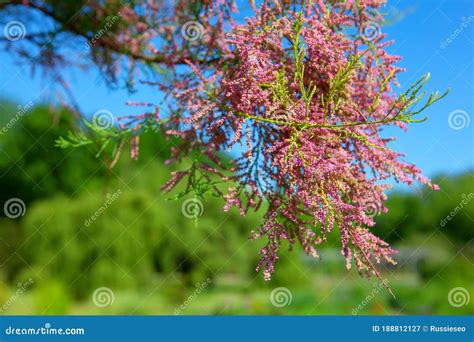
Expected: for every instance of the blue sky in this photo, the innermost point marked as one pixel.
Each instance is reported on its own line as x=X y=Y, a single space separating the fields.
x=420 y=28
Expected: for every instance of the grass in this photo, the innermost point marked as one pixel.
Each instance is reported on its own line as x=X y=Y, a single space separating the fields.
x=322 y=289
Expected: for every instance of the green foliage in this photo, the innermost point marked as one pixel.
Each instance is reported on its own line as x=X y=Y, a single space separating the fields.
x=337 y=85
x=403 y=108
x=427 y=212
x=51 y=297
x=125 y=248
x=105 y=141
x=31 y=166
x=151 y=255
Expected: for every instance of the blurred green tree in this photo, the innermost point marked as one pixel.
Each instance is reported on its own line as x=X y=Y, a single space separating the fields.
x=426 y=212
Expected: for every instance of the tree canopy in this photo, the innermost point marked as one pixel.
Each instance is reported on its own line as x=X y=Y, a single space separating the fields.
x=299 y=92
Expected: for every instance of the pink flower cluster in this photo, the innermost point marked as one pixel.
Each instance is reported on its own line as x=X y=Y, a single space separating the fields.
x=299 y=94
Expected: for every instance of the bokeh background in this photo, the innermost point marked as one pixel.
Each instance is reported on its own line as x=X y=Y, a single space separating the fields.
x=142 y=255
